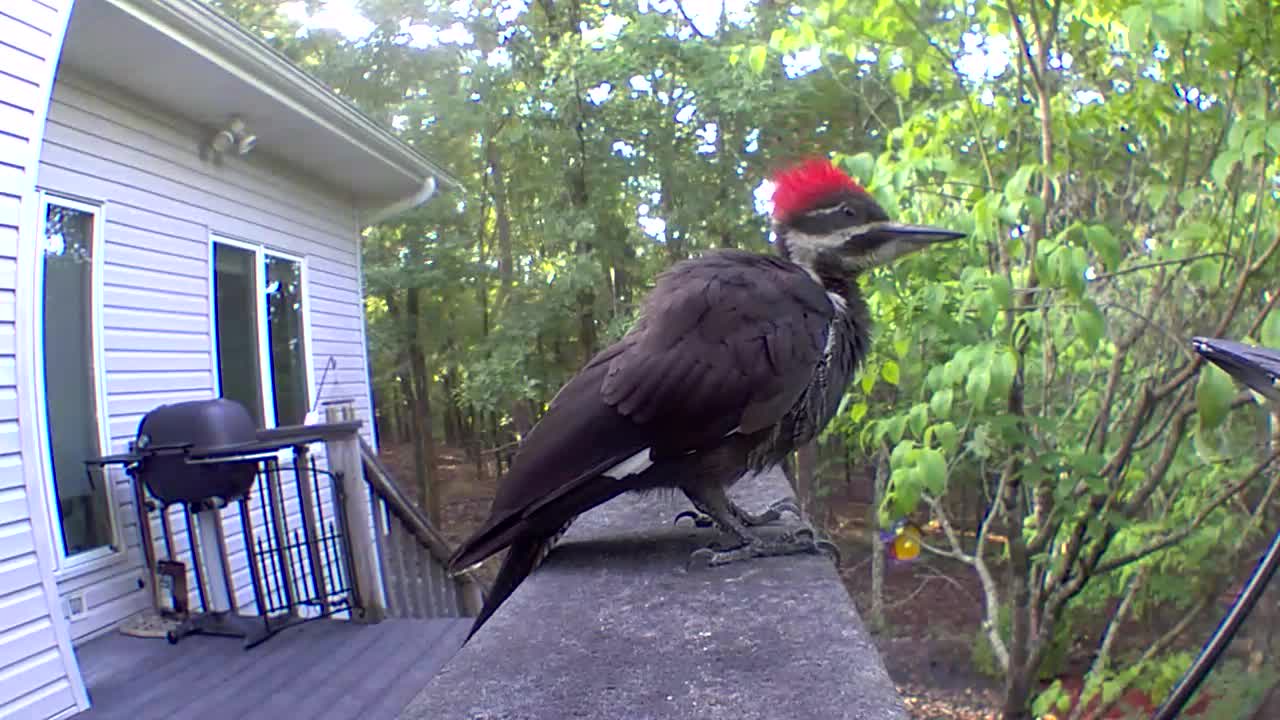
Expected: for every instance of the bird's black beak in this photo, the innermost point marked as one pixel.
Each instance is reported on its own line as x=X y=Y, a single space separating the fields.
x=1257 y=367
x=916 y=234
x=882 y=243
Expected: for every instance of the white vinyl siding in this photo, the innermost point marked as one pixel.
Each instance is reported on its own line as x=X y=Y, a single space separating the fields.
x=38 y=676
x=162 y=204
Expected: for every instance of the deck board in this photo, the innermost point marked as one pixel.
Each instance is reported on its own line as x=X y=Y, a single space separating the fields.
x=331 y=667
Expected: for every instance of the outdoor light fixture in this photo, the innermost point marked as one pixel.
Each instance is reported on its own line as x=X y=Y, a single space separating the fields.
x=235 y=136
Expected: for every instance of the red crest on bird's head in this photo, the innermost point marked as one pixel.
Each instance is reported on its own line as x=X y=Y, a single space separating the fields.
x=798 y=187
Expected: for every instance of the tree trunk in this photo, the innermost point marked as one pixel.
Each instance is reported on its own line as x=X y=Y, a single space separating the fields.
x=506 y=262
x=424 y=440
x=875 y=618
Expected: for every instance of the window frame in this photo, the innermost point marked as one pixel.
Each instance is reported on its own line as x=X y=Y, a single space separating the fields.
x=69 y=565
x=260 y=253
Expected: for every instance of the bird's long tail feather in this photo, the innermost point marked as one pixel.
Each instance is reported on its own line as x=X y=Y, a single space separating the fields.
x=522 y=558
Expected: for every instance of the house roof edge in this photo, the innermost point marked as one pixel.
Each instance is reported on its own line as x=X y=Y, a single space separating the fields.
x=254 y=61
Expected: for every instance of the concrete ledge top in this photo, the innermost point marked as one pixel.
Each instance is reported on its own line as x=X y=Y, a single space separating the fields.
x=612 y=625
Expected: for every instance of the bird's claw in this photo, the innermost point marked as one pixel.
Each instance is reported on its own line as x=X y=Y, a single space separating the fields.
x=800 y=541
x=772 y=514
x=699 y=520
x=701 y=559
x=786 y=505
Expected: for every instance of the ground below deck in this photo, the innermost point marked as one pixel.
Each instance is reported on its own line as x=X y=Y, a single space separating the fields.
x=322 y=670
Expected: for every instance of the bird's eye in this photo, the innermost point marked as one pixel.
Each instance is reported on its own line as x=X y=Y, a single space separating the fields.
x=848 y=212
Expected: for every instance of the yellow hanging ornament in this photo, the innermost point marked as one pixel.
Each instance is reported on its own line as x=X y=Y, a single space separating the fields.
x=906 y=545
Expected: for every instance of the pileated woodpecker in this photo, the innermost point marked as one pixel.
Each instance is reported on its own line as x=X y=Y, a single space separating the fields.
x=736 y=360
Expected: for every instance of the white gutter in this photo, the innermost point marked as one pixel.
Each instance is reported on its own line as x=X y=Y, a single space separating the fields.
x=209 y=34
x=422 y=195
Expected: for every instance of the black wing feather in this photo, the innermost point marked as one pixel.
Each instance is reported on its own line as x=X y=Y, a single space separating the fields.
x=757 y=324
x=728 y=340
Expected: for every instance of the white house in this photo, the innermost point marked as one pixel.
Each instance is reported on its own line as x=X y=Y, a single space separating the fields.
x=138 y=244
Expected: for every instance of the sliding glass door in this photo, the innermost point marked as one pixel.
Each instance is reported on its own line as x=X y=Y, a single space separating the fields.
x=260 y=319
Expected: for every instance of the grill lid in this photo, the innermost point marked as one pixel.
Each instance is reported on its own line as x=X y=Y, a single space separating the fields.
x=194 y=426
x=216 y=422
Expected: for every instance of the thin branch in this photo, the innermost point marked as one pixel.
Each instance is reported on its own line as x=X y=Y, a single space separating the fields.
x=990 y=592
x=694 y=28
x=1162 y=263
x=1186 y=529
x=1225 y=320
x=1102 y=660
x=1025 y=46
x=1262 y=316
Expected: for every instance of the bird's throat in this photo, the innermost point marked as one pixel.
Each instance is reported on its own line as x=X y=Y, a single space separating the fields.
x=830 y=272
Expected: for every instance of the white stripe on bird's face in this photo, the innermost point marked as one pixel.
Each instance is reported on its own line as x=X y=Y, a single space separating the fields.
x=805 y=248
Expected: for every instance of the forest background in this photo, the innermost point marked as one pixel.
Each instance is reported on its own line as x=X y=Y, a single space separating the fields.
x=1088 y=491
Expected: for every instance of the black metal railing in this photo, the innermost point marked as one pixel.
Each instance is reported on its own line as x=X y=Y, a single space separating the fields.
x=302 y=570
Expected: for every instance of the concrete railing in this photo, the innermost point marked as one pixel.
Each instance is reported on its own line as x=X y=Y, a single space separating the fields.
x=613 y=625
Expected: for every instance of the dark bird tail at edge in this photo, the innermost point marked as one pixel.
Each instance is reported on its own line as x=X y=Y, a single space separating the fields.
x=522 y=558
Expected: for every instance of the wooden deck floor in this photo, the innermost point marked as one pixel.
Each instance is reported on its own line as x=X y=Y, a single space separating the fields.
x=326 y=669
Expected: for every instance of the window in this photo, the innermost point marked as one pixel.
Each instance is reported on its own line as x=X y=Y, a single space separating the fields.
x=68 y=265
x=260 y=319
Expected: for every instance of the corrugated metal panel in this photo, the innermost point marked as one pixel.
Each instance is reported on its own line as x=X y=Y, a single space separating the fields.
x=162 y=203
x=37 y=671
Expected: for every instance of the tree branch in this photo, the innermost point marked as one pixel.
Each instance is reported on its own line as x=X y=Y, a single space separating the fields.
x=1185 y=530
x=990 y=593
x=689 y=20
x=1162 y=263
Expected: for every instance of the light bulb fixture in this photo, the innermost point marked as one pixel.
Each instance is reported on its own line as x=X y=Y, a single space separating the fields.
x=235 y=136
x=223 y=141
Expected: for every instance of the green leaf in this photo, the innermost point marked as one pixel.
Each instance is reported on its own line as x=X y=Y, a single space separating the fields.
x=857 y=411
x=1254 y=143
x=906 y=490
x=868 y=382
x=940 y=403
x=1273 y=137
x=977 y=386
x=756 y=57
x=1269 y=333
x=954 y=371
x=1214 y=392
x=933 y=471
x=1156 y=195
x=1015 y=190
x=1003 y=365
x=901 y=82
x=902 y=346
x=1222 y=166
x=924 y=70
x=947 y=435
x=896 y=427
x=889 y=371
x=918 y=418
x=862 y=167
x=1216 y=11
x=1089 y=326
x=902 y=454
x=1104 y=244
x=1000 y=290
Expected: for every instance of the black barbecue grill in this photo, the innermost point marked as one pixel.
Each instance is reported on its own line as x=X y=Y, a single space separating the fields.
x=169 y=434
x=206 y=454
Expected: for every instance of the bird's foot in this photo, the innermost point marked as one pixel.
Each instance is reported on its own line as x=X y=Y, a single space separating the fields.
x=770 y=515
x=699 y=520
x=800 y=541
